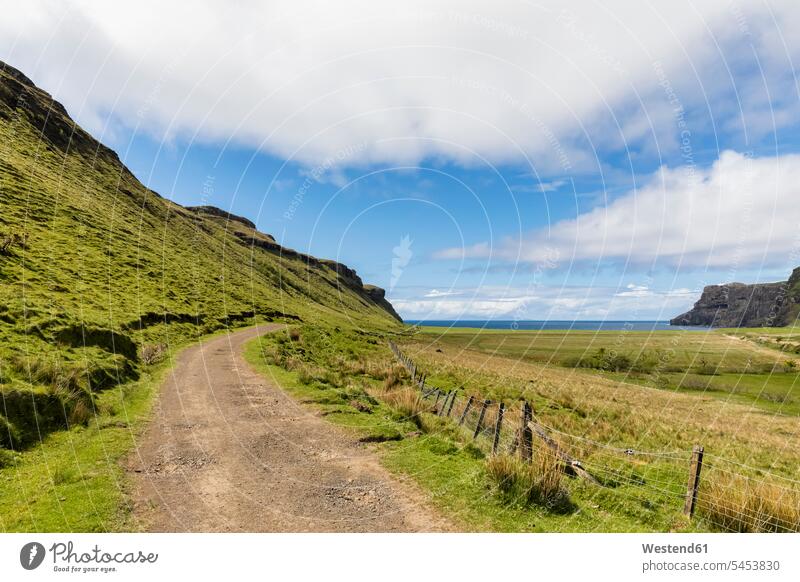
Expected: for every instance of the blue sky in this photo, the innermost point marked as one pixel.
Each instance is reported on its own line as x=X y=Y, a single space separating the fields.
x=478 y=162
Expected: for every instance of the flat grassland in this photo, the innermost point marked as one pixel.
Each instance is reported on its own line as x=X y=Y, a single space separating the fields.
x=758 y=367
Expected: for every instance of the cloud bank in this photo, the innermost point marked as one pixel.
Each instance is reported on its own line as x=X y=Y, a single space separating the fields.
x=459 y=80
x=631 y=302
x=740 y=212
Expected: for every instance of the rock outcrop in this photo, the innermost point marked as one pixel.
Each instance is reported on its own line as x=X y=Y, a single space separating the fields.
x=219 y=213
x=378 y=295
x=740 y=305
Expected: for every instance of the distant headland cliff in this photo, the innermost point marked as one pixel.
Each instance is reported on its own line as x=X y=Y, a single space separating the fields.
x=739 y=305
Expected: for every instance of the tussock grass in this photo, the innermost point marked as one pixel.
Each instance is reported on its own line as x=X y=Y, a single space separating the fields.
x=304 y=376
x=81 y=412
x=46 y=371
x=540 y=482
x=407 y=402
x=393 y=377
x=739 y=504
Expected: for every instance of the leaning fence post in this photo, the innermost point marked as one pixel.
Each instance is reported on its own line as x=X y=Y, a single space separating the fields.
x=497 y=426
x=466 y=409
x=694 y=480
x=438 y=395
x=480 y=419
x=525 y=433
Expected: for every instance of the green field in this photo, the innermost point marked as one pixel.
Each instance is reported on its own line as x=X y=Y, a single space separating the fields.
x=745 y=366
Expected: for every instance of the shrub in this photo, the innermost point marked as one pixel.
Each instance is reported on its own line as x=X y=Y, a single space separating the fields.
x=706 y=368
x=537 y=483
x=611 y=361
x=153 y=353
x=694 y=384
x=739 y=504
x=777 y=398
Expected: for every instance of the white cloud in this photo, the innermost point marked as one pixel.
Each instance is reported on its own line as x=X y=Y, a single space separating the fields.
x=740 y=212
x=437 y=293
x=540 y=187
x=551 y=186
x=457 y=78
x=635 y=291
x=459 y=309
x=551 y=302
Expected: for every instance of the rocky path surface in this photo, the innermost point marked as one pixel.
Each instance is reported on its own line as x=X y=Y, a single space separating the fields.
x=228 y=450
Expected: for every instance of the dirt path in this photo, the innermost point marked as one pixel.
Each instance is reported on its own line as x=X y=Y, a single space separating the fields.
x=228 y=450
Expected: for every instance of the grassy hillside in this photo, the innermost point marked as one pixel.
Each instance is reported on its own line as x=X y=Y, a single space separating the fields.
x=100 y=276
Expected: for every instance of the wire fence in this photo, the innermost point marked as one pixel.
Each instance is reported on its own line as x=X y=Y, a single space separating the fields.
x=731 y=496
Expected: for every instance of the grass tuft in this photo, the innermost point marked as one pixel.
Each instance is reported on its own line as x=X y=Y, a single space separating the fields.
x=407 y=404
x=537 y=483
x=737 y=504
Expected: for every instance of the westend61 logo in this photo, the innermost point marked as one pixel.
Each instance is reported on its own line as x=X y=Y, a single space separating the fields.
x=31 y=555
x=67 y=559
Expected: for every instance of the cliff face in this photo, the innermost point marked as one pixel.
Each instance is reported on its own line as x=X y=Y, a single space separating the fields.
x=378 y=295
x=739 y=305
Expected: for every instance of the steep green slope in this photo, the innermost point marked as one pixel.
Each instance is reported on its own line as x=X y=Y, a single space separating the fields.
x=98 y=273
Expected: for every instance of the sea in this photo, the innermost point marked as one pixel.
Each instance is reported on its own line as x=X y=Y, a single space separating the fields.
x=551 y=324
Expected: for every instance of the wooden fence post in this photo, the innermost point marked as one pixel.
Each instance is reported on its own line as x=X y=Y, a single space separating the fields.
x=452 y=401
x=466 y=410
x=479 y=426
x=438 y=395
x=525 y=434
x=440 y=412
x=497 y=426
x=694 y=480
